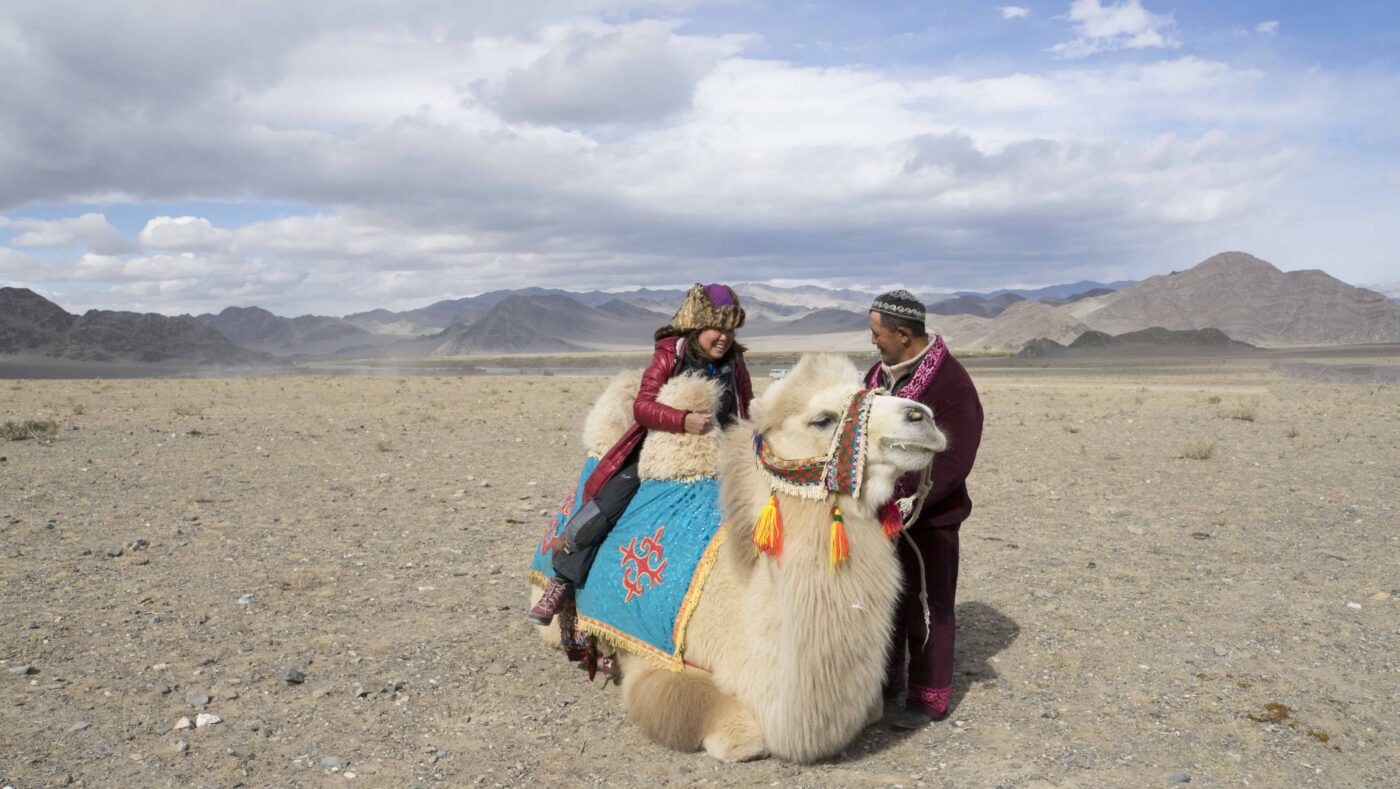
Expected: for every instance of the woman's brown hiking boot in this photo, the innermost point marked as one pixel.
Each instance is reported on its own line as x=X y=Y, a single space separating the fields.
x=554 y=596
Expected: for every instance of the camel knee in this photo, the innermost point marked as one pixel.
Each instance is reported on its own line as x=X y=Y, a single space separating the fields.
x=732 y=734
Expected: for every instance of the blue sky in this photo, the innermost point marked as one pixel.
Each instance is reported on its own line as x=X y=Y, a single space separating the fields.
x=180 y=158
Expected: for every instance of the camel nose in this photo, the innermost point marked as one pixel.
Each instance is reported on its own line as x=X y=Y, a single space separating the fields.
x=917 y=413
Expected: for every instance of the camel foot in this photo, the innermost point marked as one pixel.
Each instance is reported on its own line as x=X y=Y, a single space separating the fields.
x=736 y=739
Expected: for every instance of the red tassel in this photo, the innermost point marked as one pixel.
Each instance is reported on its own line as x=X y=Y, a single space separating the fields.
x=890 y=521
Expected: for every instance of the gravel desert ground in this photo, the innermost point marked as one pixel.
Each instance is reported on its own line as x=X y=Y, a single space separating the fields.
x=1176 y=570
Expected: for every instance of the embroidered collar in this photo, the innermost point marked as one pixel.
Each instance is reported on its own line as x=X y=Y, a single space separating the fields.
x=923 y=374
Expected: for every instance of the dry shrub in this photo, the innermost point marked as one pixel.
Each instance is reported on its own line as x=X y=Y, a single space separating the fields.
x=185 y=409
x=1214 y=400
x=1293 y=432
x=1244 y=413
x=1200 y=450
x=38 y=429
x=383 y=445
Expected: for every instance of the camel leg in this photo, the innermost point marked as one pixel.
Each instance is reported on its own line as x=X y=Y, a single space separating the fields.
x=685 y=711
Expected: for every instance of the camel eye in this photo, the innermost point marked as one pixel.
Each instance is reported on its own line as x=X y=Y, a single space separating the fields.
x=823 y=422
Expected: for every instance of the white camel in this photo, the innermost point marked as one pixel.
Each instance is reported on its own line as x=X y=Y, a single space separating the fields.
x=785 y=653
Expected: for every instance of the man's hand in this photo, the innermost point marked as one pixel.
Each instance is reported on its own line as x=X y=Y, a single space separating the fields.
x=699 y=424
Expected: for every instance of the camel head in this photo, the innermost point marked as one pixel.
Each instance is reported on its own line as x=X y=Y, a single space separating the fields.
x=800 y=416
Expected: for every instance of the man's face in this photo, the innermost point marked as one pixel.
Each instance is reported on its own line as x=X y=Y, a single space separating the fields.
x=891 y=344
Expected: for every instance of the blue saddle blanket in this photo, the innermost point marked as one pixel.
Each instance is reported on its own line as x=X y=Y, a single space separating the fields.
x=650 y=570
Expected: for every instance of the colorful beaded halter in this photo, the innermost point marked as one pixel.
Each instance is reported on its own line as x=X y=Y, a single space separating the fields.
x=839 y=471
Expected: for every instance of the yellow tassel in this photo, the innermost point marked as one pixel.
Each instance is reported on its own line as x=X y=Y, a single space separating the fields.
x=768 y=531
x=840 y=548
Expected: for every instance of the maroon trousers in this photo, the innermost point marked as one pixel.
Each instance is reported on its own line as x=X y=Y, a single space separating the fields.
x=921 y=662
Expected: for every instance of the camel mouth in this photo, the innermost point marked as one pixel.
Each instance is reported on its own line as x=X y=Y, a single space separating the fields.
x=905 y=445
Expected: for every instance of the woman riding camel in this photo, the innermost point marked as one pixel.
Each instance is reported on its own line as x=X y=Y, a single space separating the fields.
x=699 y=340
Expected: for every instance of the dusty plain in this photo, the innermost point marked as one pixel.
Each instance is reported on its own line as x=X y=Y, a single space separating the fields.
x=1175 y=568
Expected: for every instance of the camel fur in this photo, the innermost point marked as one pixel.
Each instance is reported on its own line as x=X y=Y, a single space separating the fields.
x=792 y=651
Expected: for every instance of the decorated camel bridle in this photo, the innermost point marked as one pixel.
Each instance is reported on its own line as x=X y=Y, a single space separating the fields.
x=839 y=471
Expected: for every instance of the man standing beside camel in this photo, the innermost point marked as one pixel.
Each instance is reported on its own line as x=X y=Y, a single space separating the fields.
x=918 y=367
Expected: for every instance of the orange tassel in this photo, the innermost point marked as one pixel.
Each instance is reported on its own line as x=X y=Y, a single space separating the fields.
x=768 y=531
x=890 y=521
x=840 y=548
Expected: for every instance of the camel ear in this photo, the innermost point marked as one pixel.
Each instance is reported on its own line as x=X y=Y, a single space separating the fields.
x=682 y=456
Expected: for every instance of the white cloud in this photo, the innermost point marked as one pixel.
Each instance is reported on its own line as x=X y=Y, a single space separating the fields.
x=91 y=229
x=422 y=179
x=183 y=233
x=1013 y=12
x=17 y=267
x=1269 y=28
x=1125 y=25
x=634 y=74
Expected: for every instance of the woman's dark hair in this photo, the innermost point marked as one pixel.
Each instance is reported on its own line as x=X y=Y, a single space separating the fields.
x=692 y=341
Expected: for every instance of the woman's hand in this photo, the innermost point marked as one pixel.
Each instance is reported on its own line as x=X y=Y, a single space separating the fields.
x=698 y=424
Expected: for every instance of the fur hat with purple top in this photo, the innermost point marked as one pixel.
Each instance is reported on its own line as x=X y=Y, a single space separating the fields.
x=712 y=306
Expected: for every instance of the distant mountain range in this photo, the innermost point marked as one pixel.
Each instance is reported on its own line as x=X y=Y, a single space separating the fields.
x=1137 y=342
x=1245 y=298
x=1249 y=300
x=34 y=326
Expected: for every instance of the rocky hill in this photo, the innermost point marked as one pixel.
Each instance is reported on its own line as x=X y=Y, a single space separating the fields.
x=1012 y=328
x=1250 y=300
x=1151 y=340
x=551 y=322
x=31 y=324
x=974 y=304
x=258 y=329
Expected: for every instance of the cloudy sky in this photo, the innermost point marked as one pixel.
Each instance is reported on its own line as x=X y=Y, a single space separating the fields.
x=318 y=157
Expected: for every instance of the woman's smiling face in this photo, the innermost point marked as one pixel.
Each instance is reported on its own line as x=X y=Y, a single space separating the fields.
x=715 y=343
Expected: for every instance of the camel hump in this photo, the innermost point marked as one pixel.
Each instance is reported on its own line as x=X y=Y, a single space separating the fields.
x=682 y=456
x=611 y=414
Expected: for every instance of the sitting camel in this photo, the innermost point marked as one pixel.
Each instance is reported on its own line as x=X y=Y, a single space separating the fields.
x=785 y=651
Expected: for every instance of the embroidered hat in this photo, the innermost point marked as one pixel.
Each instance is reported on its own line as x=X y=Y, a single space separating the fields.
x=900 y=304
x=712 y=306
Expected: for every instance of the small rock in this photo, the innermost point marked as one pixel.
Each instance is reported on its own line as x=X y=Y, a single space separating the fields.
x=1178 y=778
x=1353 y=605
x=138 y=545
x=293 y=676
x=24 y=670
x=206 y=719
x=182 y=747
x=246 y=599
x=486 y=483
x=79 y=726
x=197 y=698
x=115 y=552
x=360 y=691
x=1221 y=651
x=1381 y=596
x=183 y=723
x=334 y=763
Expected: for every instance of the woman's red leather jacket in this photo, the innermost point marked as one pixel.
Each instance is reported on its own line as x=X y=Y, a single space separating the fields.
x=651 y=415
